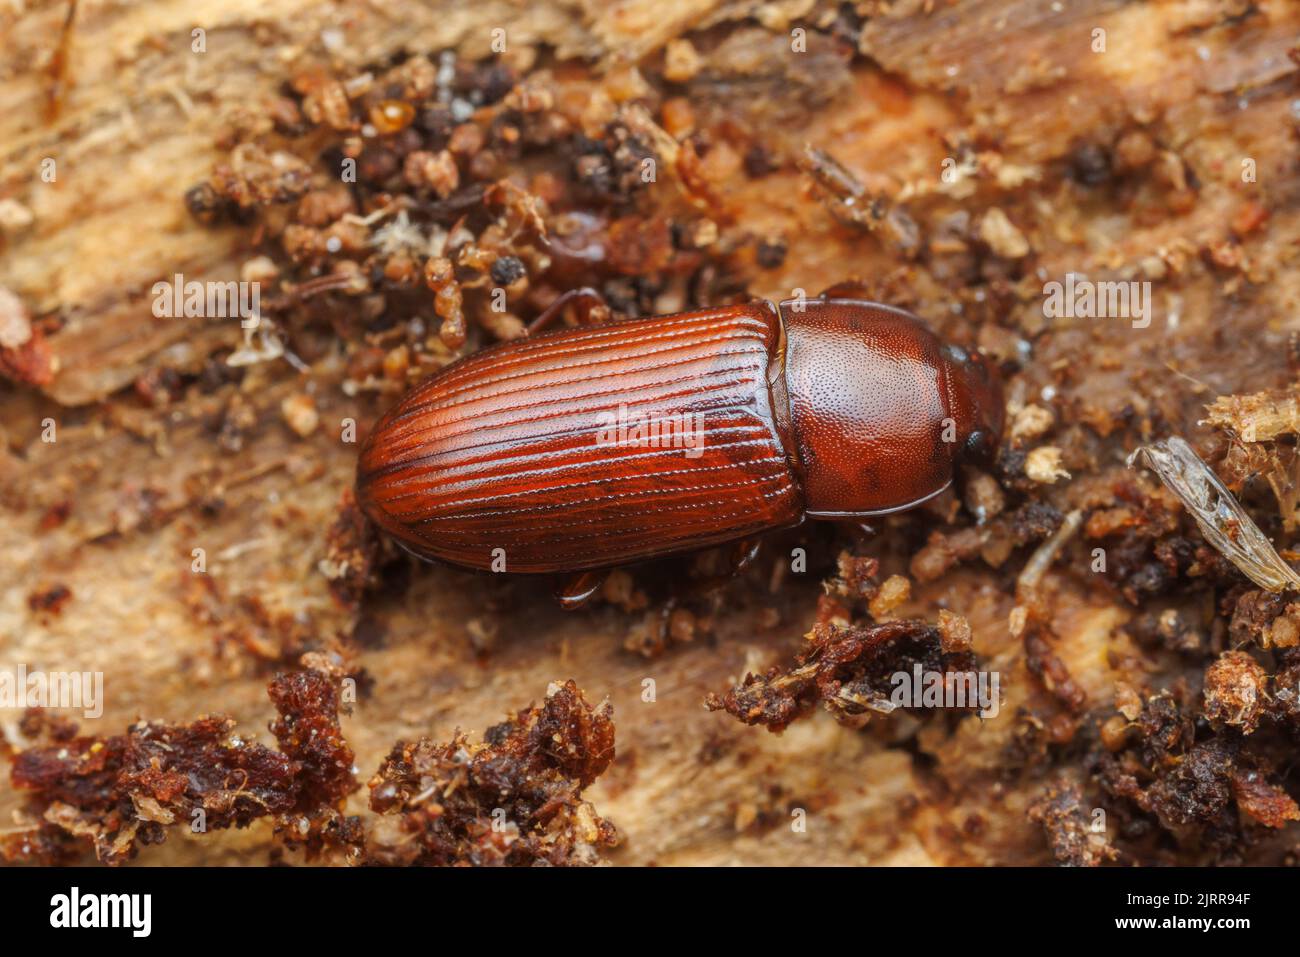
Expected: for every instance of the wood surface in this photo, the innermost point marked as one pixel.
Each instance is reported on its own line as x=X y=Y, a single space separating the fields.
x=1012 y=89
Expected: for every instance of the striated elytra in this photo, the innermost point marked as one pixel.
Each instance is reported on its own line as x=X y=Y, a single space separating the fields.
x=603 y=445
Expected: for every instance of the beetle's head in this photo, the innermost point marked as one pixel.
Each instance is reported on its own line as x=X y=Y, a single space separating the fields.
x=976 y=404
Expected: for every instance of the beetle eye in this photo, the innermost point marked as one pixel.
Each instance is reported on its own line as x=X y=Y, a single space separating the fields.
x=979 y=446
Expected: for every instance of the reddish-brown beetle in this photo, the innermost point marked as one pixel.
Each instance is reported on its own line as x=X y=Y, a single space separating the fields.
x=598 y=446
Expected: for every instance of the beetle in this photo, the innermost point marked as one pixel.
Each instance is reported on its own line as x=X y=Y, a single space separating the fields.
x=520 y=457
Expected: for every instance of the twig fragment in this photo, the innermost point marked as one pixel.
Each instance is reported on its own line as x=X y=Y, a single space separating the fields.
x=1220 y=517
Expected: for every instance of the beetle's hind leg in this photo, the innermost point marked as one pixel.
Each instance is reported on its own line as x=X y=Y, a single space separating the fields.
x=590 y=307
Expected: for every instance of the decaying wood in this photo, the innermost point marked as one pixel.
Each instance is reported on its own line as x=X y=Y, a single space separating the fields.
x=1010 y=95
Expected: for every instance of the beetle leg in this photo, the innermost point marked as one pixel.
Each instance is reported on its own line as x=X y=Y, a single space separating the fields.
x=743 y=554
x=848 y=289
x=666 y=620
x=740 y=557
x=592 y=309
x=577 y=591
